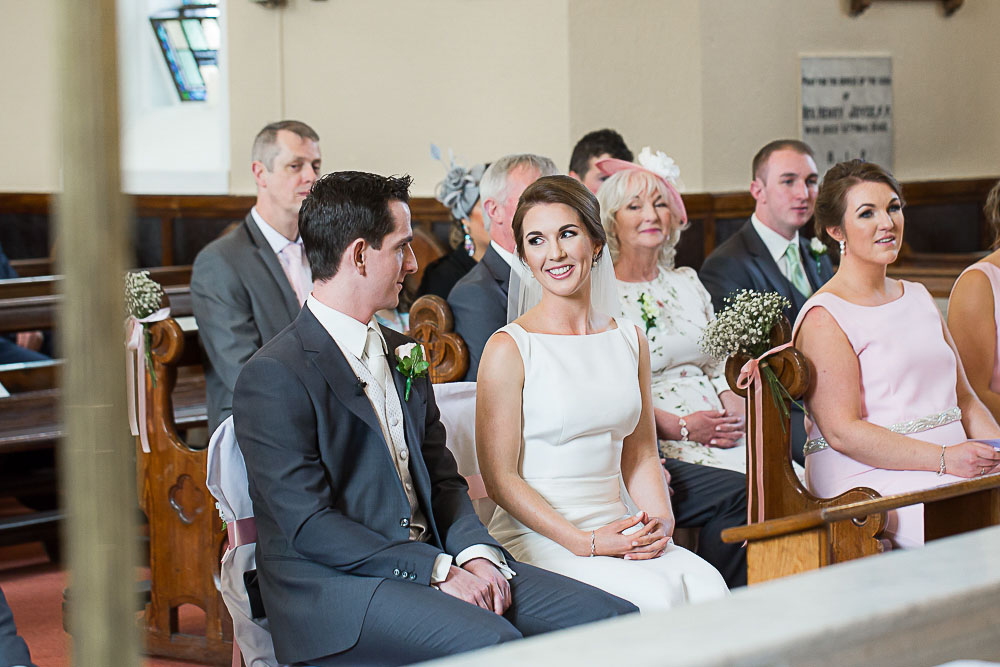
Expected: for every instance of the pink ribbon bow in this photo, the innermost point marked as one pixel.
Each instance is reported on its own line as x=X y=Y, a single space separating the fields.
x=135 y=372
x=750 y=374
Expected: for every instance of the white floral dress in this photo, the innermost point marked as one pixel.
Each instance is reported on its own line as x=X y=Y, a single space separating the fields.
x=685 y=379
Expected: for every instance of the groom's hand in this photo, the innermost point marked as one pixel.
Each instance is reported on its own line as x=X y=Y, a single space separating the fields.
x=469 y=587
x=499 y=586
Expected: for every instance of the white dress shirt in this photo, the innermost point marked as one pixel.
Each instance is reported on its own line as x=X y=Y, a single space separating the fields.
x=776 y=244
x=350 y=335
x=278 y=242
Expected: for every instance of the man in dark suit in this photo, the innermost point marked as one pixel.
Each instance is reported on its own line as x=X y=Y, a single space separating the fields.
x=479 y=300
x=24 y=345
x=13 y=650
x=368 y=549
x=250 y=284
x=767 y=254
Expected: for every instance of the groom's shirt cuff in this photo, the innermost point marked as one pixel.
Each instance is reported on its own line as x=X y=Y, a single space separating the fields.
x=490 y=553
x=441 y=566
x=443 y=562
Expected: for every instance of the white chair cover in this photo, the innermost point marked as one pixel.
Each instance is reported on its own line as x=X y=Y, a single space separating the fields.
x=457 y=403
x=227 y=482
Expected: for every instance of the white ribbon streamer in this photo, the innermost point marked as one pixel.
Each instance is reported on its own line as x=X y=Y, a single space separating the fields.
x=135 y=372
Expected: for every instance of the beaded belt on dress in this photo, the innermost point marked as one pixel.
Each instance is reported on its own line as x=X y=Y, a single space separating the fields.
x=905 y=428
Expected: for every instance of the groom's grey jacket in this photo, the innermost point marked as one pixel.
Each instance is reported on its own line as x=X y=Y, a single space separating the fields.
x=332 y=516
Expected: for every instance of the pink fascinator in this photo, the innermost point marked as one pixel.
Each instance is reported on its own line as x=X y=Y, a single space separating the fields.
x=658 y=164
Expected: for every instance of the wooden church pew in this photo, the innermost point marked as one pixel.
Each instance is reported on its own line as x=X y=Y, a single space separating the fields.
x=800 y=531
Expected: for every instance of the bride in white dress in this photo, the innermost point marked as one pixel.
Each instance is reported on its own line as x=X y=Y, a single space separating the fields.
x=564 y=420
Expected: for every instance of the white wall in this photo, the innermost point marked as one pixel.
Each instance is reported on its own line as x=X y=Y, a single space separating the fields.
x=29 y=111
x=381 y=80
x=946 y=80
x=706 y=81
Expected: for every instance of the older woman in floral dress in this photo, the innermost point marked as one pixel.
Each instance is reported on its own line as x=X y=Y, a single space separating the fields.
x=698 y=418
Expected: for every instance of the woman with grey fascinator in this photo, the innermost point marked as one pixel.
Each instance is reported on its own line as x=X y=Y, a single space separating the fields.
x=459 y=192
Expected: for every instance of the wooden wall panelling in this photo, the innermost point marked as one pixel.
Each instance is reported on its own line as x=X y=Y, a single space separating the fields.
x=713 y=215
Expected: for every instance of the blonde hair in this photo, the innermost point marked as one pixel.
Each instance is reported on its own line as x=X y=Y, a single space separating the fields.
x=992 y=211
x=620 y=189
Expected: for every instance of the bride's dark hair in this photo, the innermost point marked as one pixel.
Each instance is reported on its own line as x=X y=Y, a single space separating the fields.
x=560 y=190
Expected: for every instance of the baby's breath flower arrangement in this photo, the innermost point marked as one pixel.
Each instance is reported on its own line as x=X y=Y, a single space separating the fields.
x=142 y=299
x=744 y=327
x=649 y=310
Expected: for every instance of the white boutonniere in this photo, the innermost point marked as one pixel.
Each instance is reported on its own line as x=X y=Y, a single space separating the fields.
x=817 y=248
x=649 y=310
x=410 y=362
x=660 y=164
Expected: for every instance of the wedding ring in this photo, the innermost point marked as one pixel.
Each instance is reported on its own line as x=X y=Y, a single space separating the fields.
x=982 y=471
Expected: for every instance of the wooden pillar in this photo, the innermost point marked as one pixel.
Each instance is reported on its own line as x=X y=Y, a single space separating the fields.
x=98 y=470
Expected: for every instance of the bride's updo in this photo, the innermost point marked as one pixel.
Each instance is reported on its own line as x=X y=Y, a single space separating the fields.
x=559 y=190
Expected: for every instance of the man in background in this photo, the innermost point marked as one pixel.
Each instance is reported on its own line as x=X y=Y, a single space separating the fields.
x=593 y=147
x=251 y=283
x=768 y=254
x=479 y=300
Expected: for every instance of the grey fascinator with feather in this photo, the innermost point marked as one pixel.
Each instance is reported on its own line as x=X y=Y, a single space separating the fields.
x=459 y=191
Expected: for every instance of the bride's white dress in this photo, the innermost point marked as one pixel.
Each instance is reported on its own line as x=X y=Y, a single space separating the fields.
x=581 y=399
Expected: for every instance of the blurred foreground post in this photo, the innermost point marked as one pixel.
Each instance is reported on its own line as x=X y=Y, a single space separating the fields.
x=97 y=466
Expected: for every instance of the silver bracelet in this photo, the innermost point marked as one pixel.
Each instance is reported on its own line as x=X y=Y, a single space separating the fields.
x=593 y=544
x=942 y=469
x=684 y=429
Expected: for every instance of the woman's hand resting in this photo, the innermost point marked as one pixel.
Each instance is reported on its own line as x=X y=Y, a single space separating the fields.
x=647 y=542
x=715 y=427
x=971 y=459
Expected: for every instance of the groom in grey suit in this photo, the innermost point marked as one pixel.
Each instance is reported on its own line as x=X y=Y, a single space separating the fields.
x=368 y=549
x=768 y=254
x=250 y=284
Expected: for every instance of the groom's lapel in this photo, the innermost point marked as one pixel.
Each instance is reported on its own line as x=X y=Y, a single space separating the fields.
x=332 y=364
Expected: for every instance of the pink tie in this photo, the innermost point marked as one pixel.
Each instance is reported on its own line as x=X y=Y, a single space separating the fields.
x=291 y=263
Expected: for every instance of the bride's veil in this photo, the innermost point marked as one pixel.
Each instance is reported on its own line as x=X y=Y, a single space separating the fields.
x=525 y=291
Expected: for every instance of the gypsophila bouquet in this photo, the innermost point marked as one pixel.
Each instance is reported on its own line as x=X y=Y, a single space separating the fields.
x=744 y=327
x=142 y=294
x=142 y=299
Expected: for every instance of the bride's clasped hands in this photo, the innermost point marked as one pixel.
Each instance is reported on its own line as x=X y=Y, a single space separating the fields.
x=621 y=539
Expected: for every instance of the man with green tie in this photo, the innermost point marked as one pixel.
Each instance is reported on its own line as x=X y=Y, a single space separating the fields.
x=768 y=254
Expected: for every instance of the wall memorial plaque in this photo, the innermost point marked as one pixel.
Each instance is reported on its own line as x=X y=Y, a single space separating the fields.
x=847 y=109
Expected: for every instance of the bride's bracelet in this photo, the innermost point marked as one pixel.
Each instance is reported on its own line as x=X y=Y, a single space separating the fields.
x=942 y=468
x=684 y=429
x=593 y=544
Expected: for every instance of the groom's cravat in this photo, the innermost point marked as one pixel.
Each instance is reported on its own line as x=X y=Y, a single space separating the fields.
x=375 y=357
x=796 y=273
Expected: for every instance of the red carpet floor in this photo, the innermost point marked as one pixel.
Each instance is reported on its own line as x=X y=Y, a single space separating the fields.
x=34 y=588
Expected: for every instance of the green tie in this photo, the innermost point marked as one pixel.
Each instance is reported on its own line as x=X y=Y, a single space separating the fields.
x=796 y=273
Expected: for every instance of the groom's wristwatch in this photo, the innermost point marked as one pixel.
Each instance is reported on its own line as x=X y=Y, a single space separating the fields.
x=684 y=429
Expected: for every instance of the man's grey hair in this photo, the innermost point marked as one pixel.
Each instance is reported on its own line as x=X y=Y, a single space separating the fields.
x=493 y=185
x=265 y=144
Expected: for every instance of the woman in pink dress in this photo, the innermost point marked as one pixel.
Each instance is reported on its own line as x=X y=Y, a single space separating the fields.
x=889 y=405
x=974 y=316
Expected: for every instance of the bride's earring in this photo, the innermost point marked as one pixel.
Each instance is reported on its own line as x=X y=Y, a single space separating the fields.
x=467 y=242
x=843 y=247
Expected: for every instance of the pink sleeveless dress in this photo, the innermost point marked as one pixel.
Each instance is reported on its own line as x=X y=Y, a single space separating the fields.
x=992 y=272
x=908 y=376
